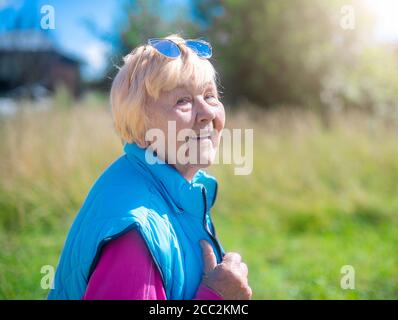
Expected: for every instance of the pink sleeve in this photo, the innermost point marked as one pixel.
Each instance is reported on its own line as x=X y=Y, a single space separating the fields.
x=126 y=271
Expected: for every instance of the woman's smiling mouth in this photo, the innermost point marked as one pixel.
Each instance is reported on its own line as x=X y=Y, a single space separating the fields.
x=203 y=134
x=202 y=137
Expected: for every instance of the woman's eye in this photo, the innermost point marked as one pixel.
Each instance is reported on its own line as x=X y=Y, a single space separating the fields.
x=211 y=98
x=183 y=100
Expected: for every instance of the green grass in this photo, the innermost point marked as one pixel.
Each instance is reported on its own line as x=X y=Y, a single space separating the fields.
x=316 y=200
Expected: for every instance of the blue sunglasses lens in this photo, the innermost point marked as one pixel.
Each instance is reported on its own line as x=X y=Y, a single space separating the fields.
x=165 y=47
x=202 y=48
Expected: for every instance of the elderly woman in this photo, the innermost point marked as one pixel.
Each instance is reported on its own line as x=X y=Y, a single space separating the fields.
x=145 y=230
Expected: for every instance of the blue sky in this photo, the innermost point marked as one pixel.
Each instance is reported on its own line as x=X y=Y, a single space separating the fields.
x=73 y=37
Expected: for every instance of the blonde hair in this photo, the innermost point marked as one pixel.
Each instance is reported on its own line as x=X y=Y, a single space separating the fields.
x=144 y=75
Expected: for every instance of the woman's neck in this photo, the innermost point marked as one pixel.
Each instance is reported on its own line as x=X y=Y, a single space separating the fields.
x=187 y=172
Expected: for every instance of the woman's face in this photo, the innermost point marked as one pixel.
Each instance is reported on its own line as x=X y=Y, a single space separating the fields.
x=191 y=119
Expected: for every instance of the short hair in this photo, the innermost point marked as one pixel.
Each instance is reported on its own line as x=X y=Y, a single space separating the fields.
x=144 y=75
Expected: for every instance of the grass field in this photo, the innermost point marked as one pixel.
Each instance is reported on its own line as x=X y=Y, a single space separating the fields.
x=316 y=200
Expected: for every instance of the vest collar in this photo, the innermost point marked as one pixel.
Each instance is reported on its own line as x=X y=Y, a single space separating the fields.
x=193 y=197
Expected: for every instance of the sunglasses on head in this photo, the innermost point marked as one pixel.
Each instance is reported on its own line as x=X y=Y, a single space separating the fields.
x=171 y=49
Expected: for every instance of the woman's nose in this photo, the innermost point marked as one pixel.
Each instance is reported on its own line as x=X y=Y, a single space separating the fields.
x=205 y=112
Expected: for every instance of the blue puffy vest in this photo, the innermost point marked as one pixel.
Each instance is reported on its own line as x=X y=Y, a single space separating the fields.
x=170 y=213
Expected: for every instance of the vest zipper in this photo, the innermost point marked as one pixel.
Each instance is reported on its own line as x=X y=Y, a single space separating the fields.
x=213 y=238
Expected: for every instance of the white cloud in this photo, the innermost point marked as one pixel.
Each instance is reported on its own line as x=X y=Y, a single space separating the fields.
x=94 y=54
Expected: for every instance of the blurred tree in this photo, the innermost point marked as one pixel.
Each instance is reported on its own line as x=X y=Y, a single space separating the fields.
x=280 y=52
x=204 y=11
x=143 y=21
x=154 y=18
x=139 y=21
x=275 y=52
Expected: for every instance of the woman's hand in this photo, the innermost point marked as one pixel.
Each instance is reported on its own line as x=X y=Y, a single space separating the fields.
x=229 y=278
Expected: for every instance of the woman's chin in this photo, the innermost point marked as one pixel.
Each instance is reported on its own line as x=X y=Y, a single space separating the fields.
x=206 y=157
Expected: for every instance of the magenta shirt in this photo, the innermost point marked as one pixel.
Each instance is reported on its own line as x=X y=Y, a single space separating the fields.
x=126 y=271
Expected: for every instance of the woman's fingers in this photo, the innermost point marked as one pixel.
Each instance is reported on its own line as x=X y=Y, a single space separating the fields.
x=244 y=269
x=232 y=257
x=248 y=293
x=229 y=278
x=235 y=261
x=209 y=258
